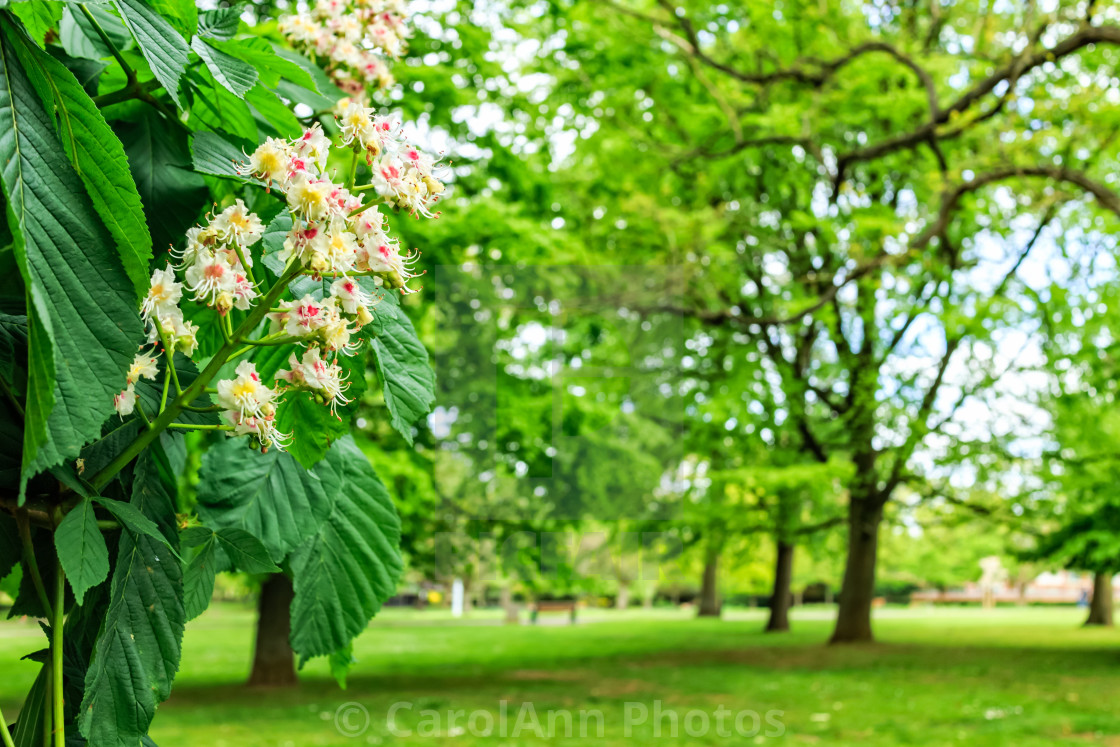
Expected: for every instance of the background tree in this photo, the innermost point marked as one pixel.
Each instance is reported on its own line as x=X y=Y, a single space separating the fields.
x=848 y=191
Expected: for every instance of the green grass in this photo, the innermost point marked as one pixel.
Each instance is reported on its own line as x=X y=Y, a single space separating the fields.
x=937 y=677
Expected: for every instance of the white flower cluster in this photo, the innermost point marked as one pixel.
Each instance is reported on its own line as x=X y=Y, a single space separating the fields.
x=160 y=311
x=213 y=259
x=353 y=37
x=334 y=231
x=250 y=407
x=142 y=366
x=402 y=174
x=323 y=377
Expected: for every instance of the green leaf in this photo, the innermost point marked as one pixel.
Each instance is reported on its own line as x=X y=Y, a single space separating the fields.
x=402 y=363
x=340 y=662
x=29 y=726
x=195 y=536
x=163 y=47
x=350 y=566
x=268 y=495
x=245 y=552
x=172 y=194
x=81 y=549
x=274 y=111
x=325 y=93
x=39 y=17
x=134 y=520
x=183 y=14
x=219 y=24
x=235 y=75
x=98 y=157
x=312 y=425
x=138 y=648
x=217 y=109
x=271 y=66
x=80 y=39
x=82 y=332
x=213 y=154
x=198 y=580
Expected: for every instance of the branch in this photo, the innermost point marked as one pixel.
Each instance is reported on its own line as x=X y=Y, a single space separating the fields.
x=1106 y=197
x=1010 y=72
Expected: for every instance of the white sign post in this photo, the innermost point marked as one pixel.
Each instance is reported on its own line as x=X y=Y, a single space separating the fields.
x=457 y=598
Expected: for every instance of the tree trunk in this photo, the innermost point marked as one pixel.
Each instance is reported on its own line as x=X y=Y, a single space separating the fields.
x=709 y=592
x=512 y=615
x=273 y=661
x=1100 y=607
x=853 y=618
x=622 y=601
x=780 y=599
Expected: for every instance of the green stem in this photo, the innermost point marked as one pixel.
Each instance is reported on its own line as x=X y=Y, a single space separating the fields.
x=201 y=427
x=362 y=188
x=364 y=207
x=353 y=171
x=24 y=526
x=129 y=92
x=280 y=338
x=7 y=735
x=107 y=525
x=166 y=386
x=211 y=408
x=238 y=353
x=130 y=74
x=244 y=264
x=255 y=317
x=143 y=415
x=366 y=274
x=169 y=357
x=56 y=657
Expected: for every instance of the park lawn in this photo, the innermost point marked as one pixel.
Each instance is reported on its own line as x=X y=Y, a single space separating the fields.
x=938 y=677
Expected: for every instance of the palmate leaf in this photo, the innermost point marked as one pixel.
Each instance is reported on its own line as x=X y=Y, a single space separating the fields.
x=172 y=194
x=244 y=551
x=221 y=23
x=274 y=111
x=183 y=14
x=38 y=17
x=402 y=363
x=80 y=39
x=198 y=580
x=350 y=566
x=29 y=726
x=270 y=65
x=268 y=495
x=83 y=327
x=215 y=108
x=213 y=154
x=98 y=157
x=312 y=426
x=235 y=75
x=138 y=647
x=163 y=47
x=81 y=549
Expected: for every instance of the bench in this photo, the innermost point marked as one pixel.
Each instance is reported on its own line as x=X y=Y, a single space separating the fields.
x=553 y=605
